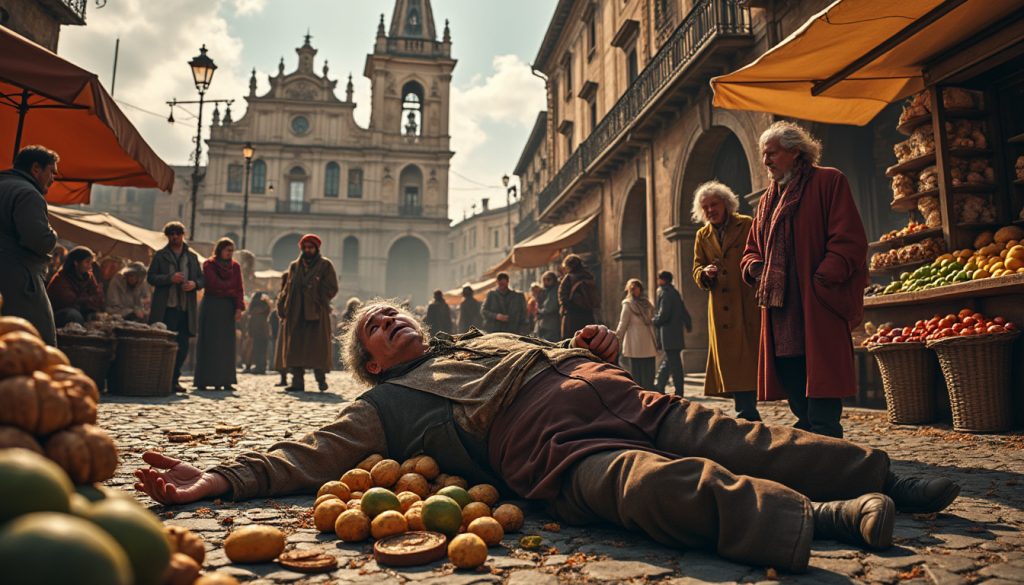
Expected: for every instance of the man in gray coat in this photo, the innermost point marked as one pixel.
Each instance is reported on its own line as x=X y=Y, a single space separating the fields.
x=26 y=238
x=504 y=310
x=176 y=276
x=670 y=317
x=549 y=320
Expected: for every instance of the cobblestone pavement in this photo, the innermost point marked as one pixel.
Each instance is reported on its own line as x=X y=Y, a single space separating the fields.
x=978 y=539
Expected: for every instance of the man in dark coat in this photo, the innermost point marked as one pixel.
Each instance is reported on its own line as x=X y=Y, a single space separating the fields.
x=305 y=304
x=26 y=238
x=504 y=310
x=469 y=311
x=549 y=324
x=175 y=275
x=670 y=318
x=578 y=297
x=439 y=314
x=806 y=256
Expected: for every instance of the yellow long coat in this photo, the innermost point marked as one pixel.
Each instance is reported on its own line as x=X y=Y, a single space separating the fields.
x=734 y=320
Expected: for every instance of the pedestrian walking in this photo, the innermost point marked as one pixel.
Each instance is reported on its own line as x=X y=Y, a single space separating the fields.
x=548 y=326
x=806 y=256
x=222 y=306
x=504 y=309
x=670 y=319
x=439 y=314
x=636 y=334
x=74 y=293
x=176 y=278
x=128 y=294
x=258 y=330
x=469 y=311
x=578 y=296
x=26 y=238
x=305 y=304
x=734 y=321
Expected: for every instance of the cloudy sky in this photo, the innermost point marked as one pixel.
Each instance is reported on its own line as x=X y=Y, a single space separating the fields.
x=495 y=98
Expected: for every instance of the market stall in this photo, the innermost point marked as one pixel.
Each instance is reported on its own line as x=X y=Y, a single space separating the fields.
x=959 y=174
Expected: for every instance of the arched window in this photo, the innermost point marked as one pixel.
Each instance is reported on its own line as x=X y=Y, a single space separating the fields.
x=259 y=177
x=296 y=189
x=332 y=180
x=355 y=183
x=410 y=184
x=412 y=109
x=350 y=256
x=235 y=180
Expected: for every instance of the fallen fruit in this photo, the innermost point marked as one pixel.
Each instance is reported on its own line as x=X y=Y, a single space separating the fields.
x=352 y=526
x=327 y=513
x=337 y=488
x=467 y=551
x=30 y=482
x=86 y=555
x=139 y=533
x=460 y=495
x=413 y=482
x=378 y=500
x=388 y=523
x=510 y=517
x=357 y=480
x=474 y=510
x=385 y=473
x=182 y=570
x=442 y=514
x=254 y=544
x=485 y=493
x=488 y=529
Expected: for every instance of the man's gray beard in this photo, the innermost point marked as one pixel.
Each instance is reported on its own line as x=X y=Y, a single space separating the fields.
x=786 y=178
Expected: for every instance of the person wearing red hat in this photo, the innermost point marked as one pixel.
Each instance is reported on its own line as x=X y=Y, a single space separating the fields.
x=304 y=307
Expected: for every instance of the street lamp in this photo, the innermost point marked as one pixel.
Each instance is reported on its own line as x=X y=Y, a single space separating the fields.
x=247 y=152
x=510 y=194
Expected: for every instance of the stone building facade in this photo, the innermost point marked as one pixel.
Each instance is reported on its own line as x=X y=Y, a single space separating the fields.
x=378 y=196
x=479 y=242
x=632 y=132
x=40 y=20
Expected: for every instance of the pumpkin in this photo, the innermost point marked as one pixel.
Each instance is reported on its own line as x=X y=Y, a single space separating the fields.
x=1010 y=232
x=65 y=373
x=185 y=541
x=139 y=533
x=44 y=548
x=14 y=437
x=85 y=452
x=31 y=483
x=21 y=353
x=55 y=357
x=9 y=324
x=33 y=404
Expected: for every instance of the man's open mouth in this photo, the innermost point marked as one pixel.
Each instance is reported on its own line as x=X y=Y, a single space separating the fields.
x=395 y=330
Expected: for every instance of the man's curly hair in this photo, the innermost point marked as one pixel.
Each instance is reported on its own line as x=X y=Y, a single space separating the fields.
x=354 y=352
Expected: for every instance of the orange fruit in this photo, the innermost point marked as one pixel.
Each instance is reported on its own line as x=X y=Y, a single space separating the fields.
x=456 y=493
x=510 y=517
x=485 y=493
x=454 y=480
x=427 y=467
x=388 y=524
x=488 y=529
x=442 y=514
x=407 y=499
x=368 y=463
x=342 y=490
x=414 y=518
x=474 y=510
x=327 y=513
x=467 y=551
x=385 y=473
x=409 y=465
x=378 y=500
x=357 y=480
x=352 y=526
x=415 y=483
x=323 y=499
x=354 y=504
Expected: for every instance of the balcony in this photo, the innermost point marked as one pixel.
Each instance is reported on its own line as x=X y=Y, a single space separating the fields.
x=410 y=210
x=710 y=21
x=287 y=206
x=526 y=228
x=66 y=11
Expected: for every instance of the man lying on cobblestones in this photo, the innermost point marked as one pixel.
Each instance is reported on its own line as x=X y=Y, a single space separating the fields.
x=560 y=424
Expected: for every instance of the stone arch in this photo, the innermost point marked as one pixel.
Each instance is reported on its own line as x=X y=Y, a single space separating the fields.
x=408 y=270
x=633 y=233
x=284 y=251
x=350 y=255
x=414 y=99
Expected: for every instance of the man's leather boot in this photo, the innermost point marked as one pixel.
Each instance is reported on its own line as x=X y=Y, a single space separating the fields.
x=920 y=495
x=866 y=521
x=298 y=383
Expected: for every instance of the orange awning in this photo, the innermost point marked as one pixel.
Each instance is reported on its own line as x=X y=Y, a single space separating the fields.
x=66 y=109
x=544 y=247
x=822 y=57
x=480 y=290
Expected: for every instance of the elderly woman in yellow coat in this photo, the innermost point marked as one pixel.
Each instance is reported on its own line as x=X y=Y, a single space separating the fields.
x=734 y=320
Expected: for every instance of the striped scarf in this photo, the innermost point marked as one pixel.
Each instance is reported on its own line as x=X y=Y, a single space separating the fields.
x=774 y=233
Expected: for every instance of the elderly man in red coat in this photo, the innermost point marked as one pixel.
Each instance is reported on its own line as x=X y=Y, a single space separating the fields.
x=805 y=255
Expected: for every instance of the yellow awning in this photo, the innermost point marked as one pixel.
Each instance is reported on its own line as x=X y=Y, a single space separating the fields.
x=544 y=247
x=480 y=290
x=108 y=235
x=827 y=48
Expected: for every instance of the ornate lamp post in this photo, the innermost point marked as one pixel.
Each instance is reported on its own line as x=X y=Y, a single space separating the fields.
x=510 y=194
x=247 y=152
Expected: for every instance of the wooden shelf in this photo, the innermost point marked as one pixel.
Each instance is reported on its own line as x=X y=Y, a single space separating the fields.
x=988 y=287
x=978 y=226
x=900 y=267
x=976 y=188
x=914 y=164
x=908 y=126
x=1019 y=183
x=970 y=152
x=1018 y=138
x=908 y=239
x=909 y=202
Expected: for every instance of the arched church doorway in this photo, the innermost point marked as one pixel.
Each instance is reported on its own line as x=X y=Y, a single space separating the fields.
x=285 y=250
x=632 y=253
x=408 y=271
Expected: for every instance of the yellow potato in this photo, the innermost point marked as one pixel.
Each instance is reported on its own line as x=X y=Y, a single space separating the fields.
x=254 y=544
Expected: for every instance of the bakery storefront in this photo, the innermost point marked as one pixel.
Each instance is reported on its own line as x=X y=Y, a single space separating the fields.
x=944 y=310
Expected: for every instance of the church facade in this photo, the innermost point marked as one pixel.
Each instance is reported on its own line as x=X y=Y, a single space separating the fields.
x=378 y=196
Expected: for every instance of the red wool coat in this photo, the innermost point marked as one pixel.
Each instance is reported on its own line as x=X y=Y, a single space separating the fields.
x=828 y=241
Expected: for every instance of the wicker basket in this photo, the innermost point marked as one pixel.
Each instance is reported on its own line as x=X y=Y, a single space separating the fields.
x=92 y=354
x=143 y=367
x=908 y=379
x=144 y=333
x=978 y=369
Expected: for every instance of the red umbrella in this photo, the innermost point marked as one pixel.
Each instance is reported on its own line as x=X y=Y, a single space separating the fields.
x=47 y=100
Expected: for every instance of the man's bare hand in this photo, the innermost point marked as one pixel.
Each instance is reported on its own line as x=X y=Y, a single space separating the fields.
x=178 y=483
x=178 y=277
x=600 y=340
x=502 y=317
x=189 y=286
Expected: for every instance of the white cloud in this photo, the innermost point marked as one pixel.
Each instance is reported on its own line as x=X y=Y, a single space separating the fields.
x=249 y=6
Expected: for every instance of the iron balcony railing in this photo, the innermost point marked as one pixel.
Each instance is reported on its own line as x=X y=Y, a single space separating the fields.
x=76 y=6
x=707 y=20
x=288 y=206
x=410 y=210
x=525 y=228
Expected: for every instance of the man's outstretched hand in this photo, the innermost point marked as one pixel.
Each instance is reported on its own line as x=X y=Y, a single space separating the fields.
x=600 y=340
x=170 y=481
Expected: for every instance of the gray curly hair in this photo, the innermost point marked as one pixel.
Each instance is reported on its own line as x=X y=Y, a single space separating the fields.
x=354 y=352
x=790 y=136
x=712 y=189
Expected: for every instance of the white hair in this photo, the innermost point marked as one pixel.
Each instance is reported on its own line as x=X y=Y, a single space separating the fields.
x=792 y=136
x=713 y=189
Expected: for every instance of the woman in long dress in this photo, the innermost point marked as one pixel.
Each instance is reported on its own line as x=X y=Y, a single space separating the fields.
x=220 y=309
x=636 y=333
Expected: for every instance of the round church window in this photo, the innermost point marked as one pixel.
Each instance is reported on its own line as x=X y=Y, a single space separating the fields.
x=300 y=125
